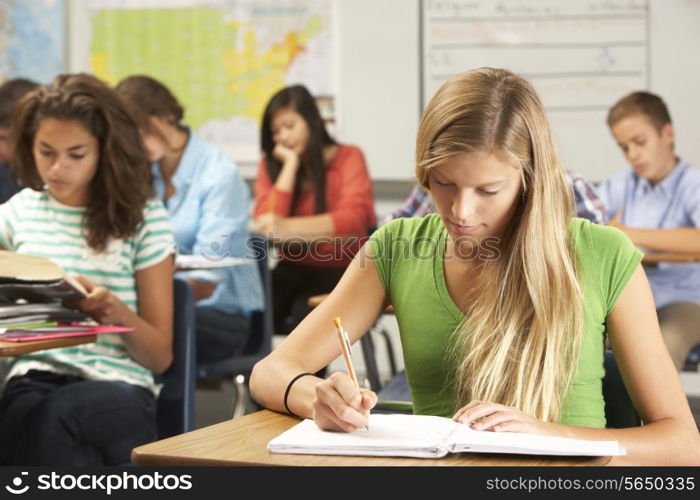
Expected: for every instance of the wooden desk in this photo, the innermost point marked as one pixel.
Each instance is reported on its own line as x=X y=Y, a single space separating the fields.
x=17 y=348
x=656 y=257
x=243 y=442
x=315 y=301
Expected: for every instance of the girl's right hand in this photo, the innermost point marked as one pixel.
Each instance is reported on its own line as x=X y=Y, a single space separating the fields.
x=339 y=406
x=286 y=155
x=100 y=303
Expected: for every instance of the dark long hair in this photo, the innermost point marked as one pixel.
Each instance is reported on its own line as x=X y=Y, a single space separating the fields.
x=313 y=165
x=122 y=183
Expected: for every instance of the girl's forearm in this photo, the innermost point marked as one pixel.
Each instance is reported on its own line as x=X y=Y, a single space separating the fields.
x=309 y=226
x=148 y=345
x=663 y=442
x=286 y=180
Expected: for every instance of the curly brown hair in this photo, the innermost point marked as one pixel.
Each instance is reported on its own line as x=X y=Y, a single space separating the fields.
x=122 y=183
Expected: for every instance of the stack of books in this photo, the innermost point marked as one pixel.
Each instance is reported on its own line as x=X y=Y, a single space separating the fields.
x=32 y=291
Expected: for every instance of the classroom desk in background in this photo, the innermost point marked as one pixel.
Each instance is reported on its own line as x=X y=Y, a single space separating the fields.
x=656 y=257
x=243 y=442
x=315 y=301
x=8 y=349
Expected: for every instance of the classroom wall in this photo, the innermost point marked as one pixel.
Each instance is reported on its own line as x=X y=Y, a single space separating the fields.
x=380 y=83
x=378 y=87
x=377 y=72
x=675 y=72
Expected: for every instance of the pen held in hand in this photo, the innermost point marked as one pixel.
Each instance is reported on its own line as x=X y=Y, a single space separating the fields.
x=347 y=354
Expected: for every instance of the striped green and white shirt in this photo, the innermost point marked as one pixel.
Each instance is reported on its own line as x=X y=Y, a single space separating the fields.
x=35 y=223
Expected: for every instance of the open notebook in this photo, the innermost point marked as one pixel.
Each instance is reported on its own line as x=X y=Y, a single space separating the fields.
x=428 y=437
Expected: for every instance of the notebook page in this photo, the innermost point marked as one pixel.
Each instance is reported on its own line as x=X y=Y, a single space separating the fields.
x=388 y=435
x=203 y=262
x=466 y=439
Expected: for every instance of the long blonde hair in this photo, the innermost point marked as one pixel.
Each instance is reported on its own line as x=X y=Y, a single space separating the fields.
x=520 y=340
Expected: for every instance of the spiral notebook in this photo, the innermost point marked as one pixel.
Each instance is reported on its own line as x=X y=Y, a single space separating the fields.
x=398 y=435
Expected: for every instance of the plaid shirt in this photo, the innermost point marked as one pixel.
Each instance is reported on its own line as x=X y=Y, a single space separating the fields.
x=588 y=205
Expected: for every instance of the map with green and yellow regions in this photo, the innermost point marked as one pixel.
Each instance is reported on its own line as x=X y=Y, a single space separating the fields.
x=223 y=60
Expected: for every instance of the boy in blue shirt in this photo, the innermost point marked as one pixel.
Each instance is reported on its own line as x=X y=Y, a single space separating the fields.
x=657 y=204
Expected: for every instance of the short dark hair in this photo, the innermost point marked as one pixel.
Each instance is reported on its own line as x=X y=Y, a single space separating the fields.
x=152 y=98
x=641 y=102
x=10 y=92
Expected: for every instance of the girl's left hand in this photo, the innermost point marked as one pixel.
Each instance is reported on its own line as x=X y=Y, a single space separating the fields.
x=487 y=416
x=100 y=303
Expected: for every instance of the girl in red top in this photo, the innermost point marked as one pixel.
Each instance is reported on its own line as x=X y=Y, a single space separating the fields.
x=314 y=196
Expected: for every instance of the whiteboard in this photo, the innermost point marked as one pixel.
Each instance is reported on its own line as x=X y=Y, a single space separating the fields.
x=581 y=57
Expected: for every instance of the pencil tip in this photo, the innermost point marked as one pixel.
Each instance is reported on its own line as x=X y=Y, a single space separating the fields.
x=336 y=322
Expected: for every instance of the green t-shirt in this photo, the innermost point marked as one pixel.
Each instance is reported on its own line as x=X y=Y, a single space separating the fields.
x=408 y=254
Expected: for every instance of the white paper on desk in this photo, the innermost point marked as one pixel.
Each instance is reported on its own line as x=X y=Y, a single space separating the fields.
x=203 y=262
x=388 y=435
x=428 y=437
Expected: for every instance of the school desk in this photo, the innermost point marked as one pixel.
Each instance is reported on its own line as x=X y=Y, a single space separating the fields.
x=243 y=442
x=315 y=300
x=656 y=257
x=16 y=348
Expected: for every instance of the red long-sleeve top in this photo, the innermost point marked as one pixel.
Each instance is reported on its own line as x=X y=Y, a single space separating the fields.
x=349 y=201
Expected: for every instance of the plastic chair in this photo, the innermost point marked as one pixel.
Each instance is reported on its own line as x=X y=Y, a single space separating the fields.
x=175 y=410
x=619 y=410
x=693 y=359
x=368 y=353
x=259 y=345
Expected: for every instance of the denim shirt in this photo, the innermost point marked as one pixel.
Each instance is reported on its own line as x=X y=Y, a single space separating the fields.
x=670 y=204
x=209 y=215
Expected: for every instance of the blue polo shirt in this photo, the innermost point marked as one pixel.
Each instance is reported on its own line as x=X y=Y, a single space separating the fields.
x=670 y=204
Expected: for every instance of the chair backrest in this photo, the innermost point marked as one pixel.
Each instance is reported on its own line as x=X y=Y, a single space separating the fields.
x=175 y=411
x=619 y=410
x=259 y=344
x=694 y=356
x=261 y=321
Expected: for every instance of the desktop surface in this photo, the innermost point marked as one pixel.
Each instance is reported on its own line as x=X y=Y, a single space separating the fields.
x=243 y=442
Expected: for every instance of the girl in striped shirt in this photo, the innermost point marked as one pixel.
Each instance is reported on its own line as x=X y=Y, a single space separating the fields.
x=88 y=207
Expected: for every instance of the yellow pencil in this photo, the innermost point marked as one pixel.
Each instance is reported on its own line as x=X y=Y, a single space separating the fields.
x=347 y=353
x=345 y=347
x=272 y=202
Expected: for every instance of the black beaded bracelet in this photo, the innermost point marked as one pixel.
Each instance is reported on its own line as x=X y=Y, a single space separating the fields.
x=289 y=387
